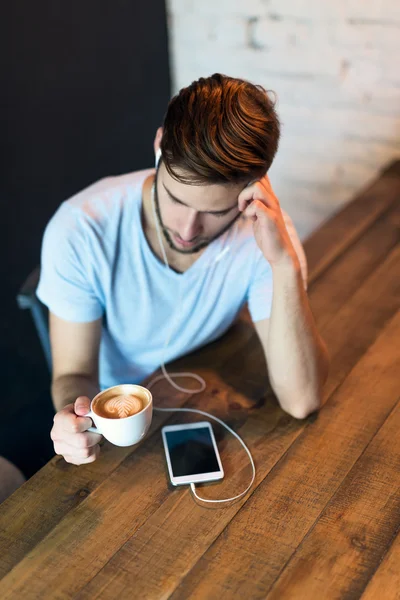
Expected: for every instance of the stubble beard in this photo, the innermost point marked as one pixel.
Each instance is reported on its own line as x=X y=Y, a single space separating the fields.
x=197 y=247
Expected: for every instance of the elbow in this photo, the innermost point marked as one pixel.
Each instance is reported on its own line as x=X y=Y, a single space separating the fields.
x=311 y=400
x=314 y=402
x=304 y=406
x=301 y=411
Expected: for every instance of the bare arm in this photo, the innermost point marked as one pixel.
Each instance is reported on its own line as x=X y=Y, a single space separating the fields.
x=75 y=356
x=67 y=388
x=297 y=356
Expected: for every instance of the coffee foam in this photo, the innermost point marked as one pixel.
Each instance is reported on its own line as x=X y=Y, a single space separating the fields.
x=120 y=406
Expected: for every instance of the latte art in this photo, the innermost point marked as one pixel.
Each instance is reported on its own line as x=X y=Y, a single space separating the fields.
x=119 y=407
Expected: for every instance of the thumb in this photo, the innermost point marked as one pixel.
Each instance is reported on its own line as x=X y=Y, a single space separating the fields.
x=82 y=406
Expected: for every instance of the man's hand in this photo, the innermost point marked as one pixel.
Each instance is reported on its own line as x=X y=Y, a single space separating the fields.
x=70 y=436
x=268 y=223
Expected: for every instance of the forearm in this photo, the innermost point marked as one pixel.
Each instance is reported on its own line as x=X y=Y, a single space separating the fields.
x=67 y=388
x=297 y=357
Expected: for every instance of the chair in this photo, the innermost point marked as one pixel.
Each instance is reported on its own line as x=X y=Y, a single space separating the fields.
x=27 y=298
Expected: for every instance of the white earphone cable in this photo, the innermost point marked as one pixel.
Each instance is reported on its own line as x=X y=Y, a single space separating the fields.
x=202 y=387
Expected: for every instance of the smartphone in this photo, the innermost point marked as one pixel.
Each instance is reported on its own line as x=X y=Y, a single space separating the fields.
x=192 y=454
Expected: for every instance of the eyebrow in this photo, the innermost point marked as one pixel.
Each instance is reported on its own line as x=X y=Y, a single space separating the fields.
x=212 y=212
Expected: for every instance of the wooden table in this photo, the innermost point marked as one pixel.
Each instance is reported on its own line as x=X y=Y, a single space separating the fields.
x=321 y=521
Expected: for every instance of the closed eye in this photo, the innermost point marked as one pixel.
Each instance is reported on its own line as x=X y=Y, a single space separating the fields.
x=214 y=214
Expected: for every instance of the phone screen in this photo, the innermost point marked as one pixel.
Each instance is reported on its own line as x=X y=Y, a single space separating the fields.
x=191 y=452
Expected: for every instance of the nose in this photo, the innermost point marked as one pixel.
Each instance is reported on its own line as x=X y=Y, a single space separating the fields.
x=192 y=227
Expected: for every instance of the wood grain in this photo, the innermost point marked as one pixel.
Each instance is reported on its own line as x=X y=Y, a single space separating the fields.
x=88 y=536
x=49 y=495
x=333 y=238
x=156 y=557
x=385 y=583
x=359 y=522
x=247 y=558
x=350 y=270
x=106 y=529
x=80 y=532
x=358 y=323
x=60 y=487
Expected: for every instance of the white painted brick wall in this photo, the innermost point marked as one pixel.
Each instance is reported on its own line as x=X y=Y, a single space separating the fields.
x=335 y=68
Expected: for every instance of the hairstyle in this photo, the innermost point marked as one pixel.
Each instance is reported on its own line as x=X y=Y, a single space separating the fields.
x=220 y=129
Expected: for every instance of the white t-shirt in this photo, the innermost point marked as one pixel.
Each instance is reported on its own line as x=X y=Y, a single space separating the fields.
x=96 y=262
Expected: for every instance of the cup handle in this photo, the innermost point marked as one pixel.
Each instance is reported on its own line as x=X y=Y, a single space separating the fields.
x=92 y=429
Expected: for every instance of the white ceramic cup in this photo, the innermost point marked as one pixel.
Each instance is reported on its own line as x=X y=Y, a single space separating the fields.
x=126 y=431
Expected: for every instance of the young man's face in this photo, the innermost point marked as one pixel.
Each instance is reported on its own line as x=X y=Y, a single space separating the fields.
x=192 y=216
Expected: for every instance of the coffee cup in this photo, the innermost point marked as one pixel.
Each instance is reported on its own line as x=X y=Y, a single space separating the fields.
x=122 y=413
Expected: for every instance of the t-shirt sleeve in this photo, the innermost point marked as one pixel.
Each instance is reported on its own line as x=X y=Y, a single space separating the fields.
x=260 y=292
x=66 y=274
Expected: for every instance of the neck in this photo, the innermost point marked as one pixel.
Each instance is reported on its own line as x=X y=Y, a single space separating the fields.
x=176 y=260
x=147 y=213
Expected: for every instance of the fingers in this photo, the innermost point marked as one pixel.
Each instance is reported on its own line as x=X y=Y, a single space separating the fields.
x=266 y=183
x=257 y=191
x=64 y=449
x=74 y=460
x=70 y=436
x=245 y=197
x=82 y=405
x=77 y=440
x=77 y=456
x=68 y=421
x=73 y=424
x=257 y=209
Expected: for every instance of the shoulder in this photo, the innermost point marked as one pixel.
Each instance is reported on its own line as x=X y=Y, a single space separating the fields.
x=101 y=205
x=109 y=195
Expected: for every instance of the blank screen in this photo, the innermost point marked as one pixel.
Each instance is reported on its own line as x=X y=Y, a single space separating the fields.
x=191 y=451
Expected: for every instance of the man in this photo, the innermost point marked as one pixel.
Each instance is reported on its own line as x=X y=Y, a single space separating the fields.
x=112 y=299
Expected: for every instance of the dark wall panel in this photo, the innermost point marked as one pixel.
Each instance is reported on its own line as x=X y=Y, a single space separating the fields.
x=84 y=86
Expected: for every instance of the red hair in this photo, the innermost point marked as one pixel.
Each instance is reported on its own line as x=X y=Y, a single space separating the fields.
x=220 y=130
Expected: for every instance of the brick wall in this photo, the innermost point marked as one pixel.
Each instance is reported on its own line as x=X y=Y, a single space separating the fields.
x=335 y=69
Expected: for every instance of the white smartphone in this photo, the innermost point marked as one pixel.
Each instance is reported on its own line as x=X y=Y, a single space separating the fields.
x=192 y=454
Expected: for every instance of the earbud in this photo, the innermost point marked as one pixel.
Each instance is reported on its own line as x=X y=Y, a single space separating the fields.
x=158 y=156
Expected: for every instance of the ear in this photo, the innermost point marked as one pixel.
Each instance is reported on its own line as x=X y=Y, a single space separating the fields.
x=157 y=139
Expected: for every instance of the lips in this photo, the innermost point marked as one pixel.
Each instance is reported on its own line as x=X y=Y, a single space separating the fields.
x=183 y=243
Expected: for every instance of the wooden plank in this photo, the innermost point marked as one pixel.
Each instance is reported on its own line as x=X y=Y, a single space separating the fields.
x=87 y=537
x=65 y=489
x=60 y=487
x=249 y=555
x=156 y=555
x=359 y=522
x=393 y=169
x=39 y=561
x=49 y=507
x=337 y=234
x=360 y=320
x=29 y=514
x=346 y=275
x=386 y=581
